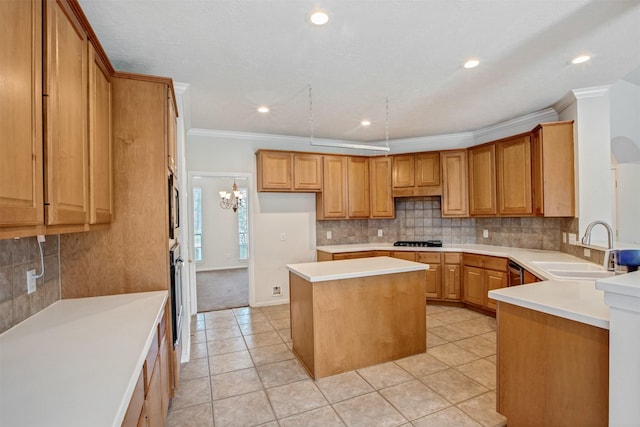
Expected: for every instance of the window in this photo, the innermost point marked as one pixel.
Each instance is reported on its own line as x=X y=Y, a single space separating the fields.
x=197 y=224
x=243 y=227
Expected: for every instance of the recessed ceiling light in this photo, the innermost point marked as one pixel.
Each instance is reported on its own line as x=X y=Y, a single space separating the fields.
x=319 y=17
x=472 y=63
x=580 y=59
x=365 y=123
x=263 y=109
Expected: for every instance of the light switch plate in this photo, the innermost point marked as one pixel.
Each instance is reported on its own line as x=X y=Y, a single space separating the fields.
x=564 y=237
x=485 y=233
x=379 y=233
x=572 y=239
x=328 y=234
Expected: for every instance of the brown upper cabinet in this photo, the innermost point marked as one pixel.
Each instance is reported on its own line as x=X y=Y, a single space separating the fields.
x=358 y=199
x=100 y=141
x=286 y=171
x=21 y=184
x=416 y=174
x=66 y=113
x=172 y=144
x=382 y=205
x=331 y=203
x=482 y=180
x=454 y=183
x=553 y=169
x=513 y=164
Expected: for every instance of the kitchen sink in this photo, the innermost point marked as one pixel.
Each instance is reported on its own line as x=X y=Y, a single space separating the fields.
x=573 y=270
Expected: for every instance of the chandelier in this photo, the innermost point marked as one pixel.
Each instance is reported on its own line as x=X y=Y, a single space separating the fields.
x=233 y=200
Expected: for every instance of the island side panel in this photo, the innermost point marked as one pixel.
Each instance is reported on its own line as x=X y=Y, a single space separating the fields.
x=369 y=320
x=301 y=309
x=551 y=371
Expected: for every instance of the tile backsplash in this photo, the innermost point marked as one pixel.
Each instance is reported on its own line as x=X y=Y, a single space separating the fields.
x=16 y=257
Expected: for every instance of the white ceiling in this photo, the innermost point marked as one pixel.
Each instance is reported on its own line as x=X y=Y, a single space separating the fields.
x=239 y=54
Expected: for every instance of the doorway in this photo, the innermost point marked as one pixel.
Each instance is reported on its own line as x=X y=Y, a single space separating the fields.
x=220 y=236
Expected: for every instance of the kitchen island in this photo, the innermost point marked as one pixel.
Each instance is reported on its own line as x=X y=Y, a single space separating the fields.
x=349 y=314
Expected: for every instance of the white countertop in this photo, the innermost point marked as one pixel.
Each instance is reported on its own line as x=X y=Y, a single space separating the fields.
x=76 y=362
x=353 y=268
x=571 y=299
x=626 y=284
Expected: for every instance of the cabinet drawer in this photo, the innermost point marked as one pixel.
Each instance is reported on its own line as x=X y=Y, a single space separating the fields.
x=150 y=360
x=494 y=263
x=429 y=257
x=353 y=255
x=473 y=260
x=409 y=256
x=452 y=258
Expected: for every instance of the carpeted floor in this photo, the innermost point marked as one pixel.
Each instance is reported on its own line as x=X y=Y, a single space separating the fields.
x=221 y=289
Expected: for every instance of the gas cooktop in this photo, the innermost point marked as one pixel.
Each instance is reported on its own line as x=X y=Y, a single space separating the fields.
x=425 y=243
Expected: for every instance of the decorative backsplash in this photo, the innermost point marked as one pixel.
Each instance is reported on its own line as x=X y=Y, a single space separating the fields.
x=17 y=256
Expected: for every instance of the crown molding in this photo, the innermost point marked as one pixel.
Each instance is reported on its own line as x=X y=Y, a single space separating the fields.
x=591 y=92
x=432 y=143
x=514 y=126
x=181 y=88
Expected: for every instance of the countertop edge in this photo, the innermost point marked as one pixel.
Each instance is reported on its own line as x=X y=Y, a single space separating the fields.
x=304 y=270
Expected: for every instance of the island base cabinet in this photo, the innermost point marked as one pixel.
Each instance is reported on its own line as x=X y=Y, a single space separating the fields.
x=378 y=319
x=551 y=371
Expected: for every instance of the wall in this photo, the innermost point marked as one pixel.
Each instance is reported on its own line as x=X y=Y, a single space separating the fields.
x=16 y=257
x=625 y=150
x=220 y=247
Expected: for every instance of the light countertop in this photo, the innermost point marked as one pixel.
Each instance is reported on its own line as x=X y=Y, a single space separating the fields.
x=577 y=300
x=353 y=268
x=625 y=284
x=76 y=362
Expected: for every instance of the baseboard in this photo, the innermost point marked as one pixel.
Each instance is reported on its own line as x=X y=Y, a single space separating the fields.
x=233 y=267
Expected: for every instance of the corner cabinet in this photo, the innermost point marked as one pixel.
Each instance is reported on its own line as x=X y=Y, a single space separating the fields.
x=482 y=274
x=66 y=112
x=454 y=183
x=21 y=184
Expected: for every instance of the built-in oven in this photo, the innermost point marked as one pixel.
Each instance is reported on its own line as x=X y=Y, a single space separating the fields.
x=176 y=263
x=516 y=274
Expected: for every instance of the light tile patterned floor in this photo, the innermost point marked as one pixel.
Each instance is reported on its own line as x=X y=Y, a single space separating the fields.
x=243 y=373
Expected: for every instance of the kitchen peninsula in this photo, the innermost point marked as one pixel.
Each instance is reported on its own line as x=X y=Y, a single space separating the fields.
x=350 y=314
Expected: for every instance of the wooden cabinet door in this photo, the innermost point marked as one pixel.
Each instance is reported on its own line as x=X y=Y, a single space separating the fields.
x=100 y=142
x=66 y=107
x=427 y=166
x=434 y=273
x=513 y=160
x=153 y=399
x=403 y=171
x=494 y=280
x=474 y=285
x=358 y=187
x=172 y=144
x=307 y=172
x=274 y=171
x=451 y=282
x=380 y=173
x=537 y=177
x=332 y=202
x=409 y=256
x=21 y=185
x=482 y=180
x=434 y=281
x=454 y=188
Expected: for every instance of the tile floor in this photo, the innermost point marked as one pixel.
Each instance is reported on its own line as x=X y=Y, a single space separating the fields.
x=243 y=373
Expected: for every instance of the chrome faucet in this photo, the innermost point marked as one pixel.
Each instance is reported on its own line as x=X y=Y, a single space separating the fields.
x=610 y=255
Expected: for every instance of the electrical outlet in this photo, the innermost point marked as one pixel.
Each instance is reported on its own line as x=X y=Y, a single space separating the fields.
x=572 y=239
x=379 y=233
x=485 y=233
x=276 y=291
x=587 y=252
x=564 y=237
x=283 y=236
x=31 y=281
x=328 y=235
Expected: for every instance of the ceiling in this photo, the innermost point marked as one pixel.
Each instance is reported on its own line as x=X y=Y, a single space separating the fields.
x=237 y=55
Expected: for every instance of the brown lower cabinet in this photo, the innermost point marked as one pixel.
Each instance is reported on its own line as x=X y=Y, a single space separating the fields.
x=482 y=274
x=150 y=400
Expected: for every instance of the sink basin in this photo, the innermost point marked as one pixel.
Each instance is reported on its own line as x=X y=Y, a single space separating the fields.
x=573 y=270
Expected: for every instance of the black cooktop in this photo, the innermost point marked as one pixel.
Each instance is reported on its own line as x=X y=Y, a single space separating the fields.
x=425 y=243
